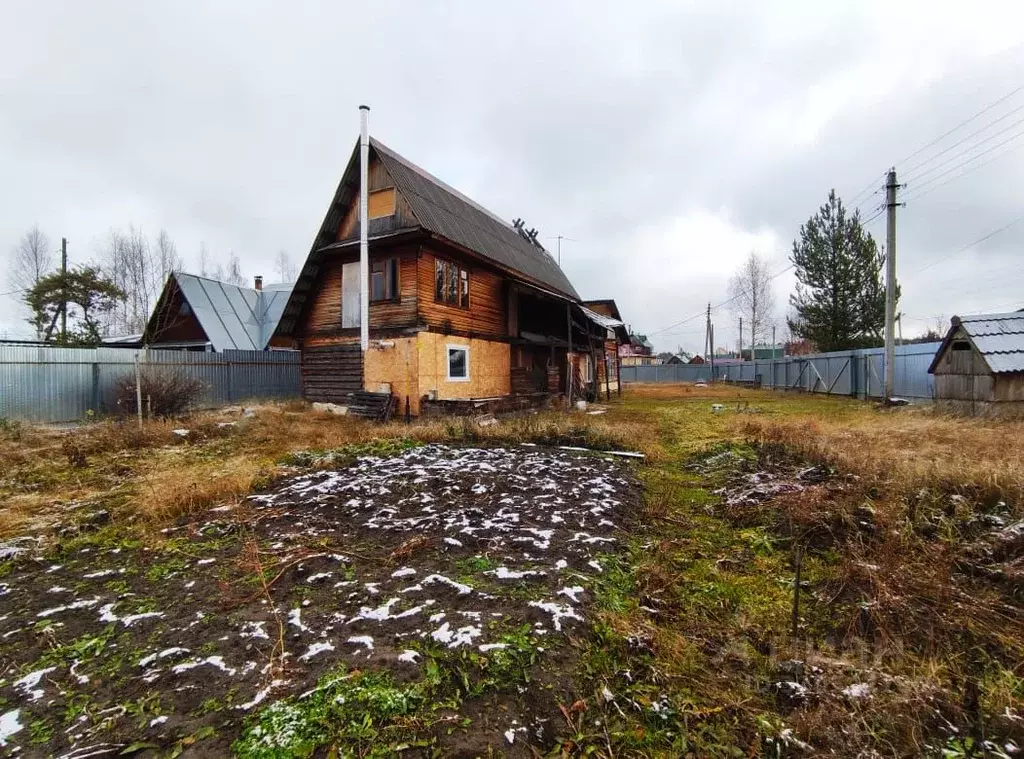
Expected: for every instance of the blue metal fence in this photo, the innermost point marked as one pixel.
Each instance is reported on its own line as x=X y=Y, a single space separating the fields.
x=856 y=373
x=45 y=384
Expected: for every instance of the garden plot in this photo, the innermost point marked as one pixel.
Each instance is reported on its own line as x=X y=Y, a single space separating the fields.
x=383 y=565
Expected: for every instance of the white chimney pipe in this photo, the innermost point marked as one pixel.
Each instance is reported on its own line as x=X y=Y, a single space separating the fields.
x=364 y=244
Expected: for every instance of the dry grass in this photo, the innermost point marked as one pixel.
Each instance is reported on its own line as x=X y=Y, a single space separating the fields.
x=151 y=476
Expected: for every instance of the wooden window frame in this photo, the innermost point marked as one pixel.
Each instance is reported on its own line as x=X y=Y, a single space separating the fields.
x=393 y=261
x=448 y=348
x=447 y=274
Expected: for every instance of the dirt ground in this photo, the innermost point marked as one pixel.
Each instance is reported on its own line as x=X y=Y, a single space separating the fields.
x=782 y=575
x=387 y=564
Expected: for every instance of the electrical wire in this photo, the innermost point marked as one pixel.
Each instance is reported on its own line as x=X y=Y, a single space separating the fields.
x=962 y=153
x=968 y=246
x=714 y=308
x=961 y=141
x=964 y=123
x=921 y=194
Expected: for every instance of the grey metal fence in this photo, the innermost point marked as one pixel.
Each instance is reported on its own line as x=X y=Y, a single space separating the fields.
x=856 y=373
x=44 y=384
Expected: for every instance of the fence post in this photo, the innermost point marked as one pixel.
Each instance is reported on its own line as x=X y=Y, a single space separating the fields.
x=96 y=387
x=231 y=398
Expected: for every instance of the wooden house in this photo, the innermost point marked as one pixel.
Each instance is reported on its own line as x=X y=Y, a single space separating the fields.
x=464 y=307
x=637 y=351
x=979 y=367
x=198 y=313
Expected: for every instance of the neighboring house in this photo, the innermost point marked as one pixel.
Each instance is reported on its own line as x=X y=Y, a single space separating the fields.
x=638 y=352
x=698 y=359
x=196 y=313
x=980 y=364
x=463 y=306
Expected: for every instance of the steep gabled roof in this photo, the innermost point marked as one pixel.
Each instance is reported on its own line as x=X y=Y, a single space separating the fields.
x=440 y=210
x=233 y=317
x=445 y=211
x=999 y=338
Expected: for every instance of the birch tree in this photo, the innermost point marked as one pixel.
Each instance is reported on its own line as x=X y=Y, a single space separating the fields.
x=750 y=291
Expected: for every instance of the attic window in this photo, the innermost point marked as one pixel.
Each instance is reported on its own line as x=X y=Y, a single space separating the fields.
x=381 y=203
x=961 y=345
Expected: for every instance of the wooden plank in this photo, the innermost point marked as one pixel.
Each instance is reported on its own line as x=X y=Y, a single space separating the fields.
x=487 y=312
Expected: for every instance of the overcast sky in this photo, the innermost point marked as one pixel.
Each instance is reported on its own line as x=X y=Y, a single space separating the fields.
x=667 y=140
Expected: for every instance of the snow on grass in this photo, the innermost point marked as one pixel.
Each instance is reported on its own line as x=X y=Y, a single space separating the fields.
x=9 y=725
x=295 y=619
x=857 y=690
x=27 y=685
x=431 y=579
x=455 y=638
x=362 y=640
x=254 y=629
x=408 y=655
x=557 y=611
x=83 y=604
x=403 y=572
x=572 y=593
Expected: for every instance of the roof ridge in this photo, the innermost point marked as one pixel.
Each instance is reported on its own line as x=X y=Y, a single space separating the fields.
x=436 y=180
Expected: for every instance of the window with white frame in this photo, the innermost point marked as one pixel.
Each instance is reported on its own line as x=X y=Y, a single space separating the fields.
x=458 y=363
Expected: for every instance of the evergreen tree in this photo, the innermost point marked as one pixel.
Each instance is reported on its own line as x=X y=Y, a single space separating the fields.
x=83 y=294
x=839 y=301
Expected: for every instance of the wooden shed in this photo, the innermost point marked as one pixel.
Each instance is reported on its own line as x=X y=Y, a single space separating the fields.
x=979 y=368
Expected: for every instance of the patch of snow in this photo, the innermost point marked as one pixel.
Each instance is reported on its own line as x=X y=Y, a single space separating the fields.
x=572 y=593
x=857 y=690
x=100 y=573
x=510 y=736
x=408 y=655
x=146 y=661
x=84 y=604
x=204 y=562
x=260 y=696
x=485 y=647
x=27 y=684
x=318 y=577
x=316 y=648
x=403 y=572
x=213 y=661
x=362 y=640
x=595 y=565
x=463 y=589
x=372 y=588
x=558 y=612
x=504 y=573
x=561 y=564
x=455 y=638
x=9 y=725
x=131 y=619
x=158 y=720
x=295 y=619
x=253 y=629
x=453 y=542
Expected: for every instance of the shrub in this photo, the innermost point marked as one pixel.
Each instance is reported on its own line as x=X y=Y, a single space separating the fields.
x=165 y=393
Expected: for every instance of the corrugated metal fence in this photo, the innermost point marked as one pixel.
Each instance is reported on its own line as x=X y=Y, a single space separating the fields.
x=44 y=384
x=857 y=373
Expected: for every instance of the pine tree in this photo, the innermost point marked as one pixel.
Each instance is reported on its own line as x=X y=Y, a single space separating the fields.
x=839 y=301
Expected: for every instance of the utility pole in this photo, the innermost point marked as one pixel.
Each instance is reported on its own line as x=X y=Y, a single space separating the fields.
x=890 y=282
x=64 y=291
x=707 y=332
x=741 y=338
x=773 y=341
x=559 y=250
x=712 y=334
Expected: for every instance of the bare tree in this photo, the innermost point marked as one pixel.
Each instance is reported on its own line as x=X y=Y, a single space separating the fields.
x=31 y=260
x=204 y=260
x=750 y=290
x=284 y=267
x=234 y=275
x=134 y=267
x=168 y=260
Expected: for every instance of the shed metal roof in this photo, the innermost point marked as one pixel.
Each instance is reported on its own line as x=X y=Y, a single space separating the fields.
x=999 y=338
x=233 y=317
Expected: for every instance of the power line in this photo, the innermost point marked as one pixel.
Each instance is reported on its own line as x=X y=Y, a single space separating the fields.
x=958 y=176
x=964 y=123
x=968 y=246
x=968 y=150
x=714 y=308
x=961 y=141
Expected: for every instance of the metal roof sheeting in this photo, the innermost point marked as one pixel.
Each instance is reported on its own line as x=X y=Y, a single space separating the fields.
x=998 y=337
x=600 y=319
x=233 y=317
